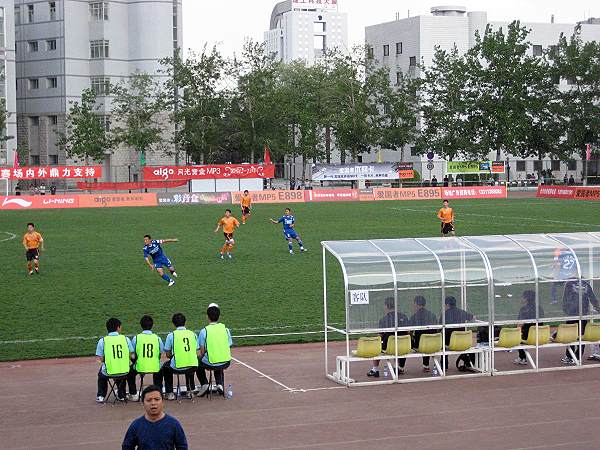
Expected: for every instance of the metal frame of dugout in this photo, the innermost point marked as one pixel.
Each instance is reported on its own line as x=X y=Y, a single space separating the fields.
x=487 y=275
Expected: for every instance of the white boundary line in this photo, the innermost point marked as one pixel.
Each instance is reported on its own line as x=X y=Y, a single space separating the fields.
x=10 y=237
x=503 y=217
x=289 y=389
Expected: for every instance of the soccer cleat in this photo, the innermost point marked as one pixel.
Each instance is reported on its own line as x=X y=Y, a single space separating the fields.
x=567 y=361
x=520 y=362
x=222 y=256
x=99 y=399
x=37 y=270
x=31 y=272
x=373 y=373
x=199 y=392
x=170 y=396
x=229 y=255
x=133 y=397
x=426 y=369
x=291 y=252
x=220 y=390
x=171 y=283
x=303 y=249
x=174 y=274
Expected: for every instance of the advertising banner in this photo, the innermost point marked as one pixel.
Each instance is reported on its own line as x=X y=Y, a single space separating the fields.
x=587 y=193
x=474 y=192
x=270 y=197
x=207 y=198
x=498 y=167
x=50 y=172
x=116 y=200
x=124 y=186
x=315 y=4
x=463 y=167
x=331 y=195
x=230 y=171
x=556 y=191
x=39 y=202
x=407 y=193
x=374 y=171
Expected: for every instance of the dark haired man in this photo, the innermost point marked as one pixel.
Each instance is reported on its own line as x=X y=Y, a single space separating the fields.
x=155 y=429
x=34 y=244
x=527 y=312
x=153 y=249
x=454 y=315
x=215 y=344
x=422 y=317
x=245 y=203
x=148 y=349
x=446 y=215
x=114 y=352
x=181 y=347
x=229 y=223
x=289 y=230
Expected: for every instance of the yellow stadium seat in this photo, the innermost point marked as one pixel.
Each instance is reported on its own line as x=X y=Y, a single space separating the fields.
x=402 y=342
x=430 y=343
x=368 y=347
x=543 y=335
x=460 y=341
x=567 y=333
x=509 y=337
x=592 y=332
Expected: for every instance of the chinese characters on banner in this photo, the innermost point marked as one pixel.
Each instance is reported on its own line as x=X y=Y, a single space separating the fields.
x=50 y=172
x=569 y=192
x=315 y=4
x=362 y=171
x=230 y=171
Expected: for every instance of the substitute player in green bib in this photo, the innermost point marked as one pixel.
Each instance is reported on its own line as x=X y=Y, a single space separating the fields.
x=181 y=348
x=114 y=352
x=148 y=350
x=215 y=343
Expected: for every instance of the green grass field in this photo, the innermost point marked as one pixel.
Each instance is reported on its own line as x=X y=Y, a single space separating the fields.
x=93 y=267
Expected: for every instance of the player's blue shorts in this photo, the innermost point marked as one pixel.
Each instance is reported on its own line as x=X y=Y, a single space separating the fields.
x=163 y=261
x=290 y=234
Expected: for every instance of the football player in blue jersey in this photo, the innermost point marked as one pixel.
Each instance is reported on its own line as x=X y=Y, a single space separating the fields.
x=153 y=249
x=289 y=230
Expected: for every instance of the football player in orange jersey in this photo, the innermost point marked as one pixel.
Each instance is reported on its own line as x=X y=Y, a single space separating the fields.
x=446 y=215
x=34 y=244
x=229 y=223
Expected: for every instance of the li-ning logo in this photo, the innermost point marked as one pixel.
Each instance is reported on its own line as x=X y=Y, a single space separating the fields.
x=17 y=201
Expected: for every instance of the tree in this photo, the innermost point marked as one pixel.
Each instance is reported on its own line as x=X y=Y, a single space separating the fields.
x=139 y=111
x=200 y=106
x=579 y=64
x=85 y=135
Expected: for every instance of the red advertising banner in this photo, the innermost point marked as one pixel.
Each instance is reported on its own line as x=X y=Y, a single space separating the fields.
x=50 y=172
x=498 y=167
x=424 y=193
x=117 y=200
x=125 y=186
x=331 y=195
x=231 y=171
x=474 y=192
x=204 y=198
x=587 y=193
x=270 y=197
x=556 y=191
x=22 y=202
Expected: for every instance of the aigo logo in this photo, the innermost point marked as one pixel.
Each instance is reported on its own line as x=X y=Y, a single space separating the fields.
x=16 y=201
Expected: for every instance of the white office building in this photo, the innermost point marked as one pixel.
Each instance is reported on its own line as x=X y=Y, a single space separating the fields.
x=8 y=144
x=66 y=46
x=305 y=29
x=403 y=43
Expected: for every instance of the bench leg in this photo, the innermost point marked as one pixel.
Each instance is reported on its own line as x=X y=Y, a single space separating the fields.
x=530 y=359
x=570 y=350
x=438 y=366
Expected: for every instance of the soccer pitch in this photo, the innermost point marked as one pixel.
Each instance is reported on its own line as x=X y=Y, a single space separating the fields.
x=93 y=266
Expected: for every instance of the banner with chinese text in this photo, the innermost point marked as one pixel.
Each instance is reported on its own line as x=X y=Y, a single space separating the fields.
x=350 y=172
x=50 y=172
x=231 y=171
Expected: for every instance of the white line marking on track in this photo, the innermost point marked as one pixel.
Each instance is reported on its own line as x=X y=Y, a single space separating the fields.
x=537 y=219
x=10 y=237
x=289 y=389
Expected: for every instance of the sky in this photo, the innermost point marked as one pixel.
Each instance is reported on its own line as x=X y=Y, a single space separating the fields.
x=228 y=23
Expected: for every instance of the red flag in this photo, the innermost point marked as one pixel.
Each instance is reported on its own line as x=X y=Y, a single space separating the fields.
x=16 y=161
x=267 y=157
x=588 y=152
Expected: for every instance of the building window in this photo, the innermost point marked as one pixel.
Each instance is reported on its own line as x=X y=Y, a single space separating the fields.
x=555 y=165
x=572 y=165
x=105 y=121
x=34 y=83
x=398 y=48
x=99 y=10
x=51 y=45
x=520 y=166
x=98 y=49
x=370 y=52
x=34 y=121
x=386 y=50
x=413 y=151
x=571 y=81
x=53 y=159
x=537 y=165
x=398 y=78
x=32 y=46
x=412 y=61
x=52 y=82
x=34 y=160
x=320 y=45
x=53 y=120
x=537 y=50
x=101 y=85
x=17 y=15
x=52 y=6
x=556 y=79
x=319 y=27
x=30 y=16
